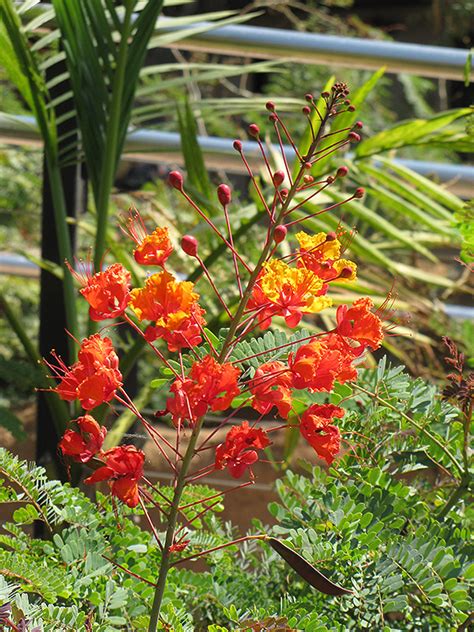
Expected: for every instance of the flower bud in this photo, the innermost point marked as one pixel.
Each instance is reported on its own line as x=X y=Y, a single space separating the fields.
x=273 y=118
x=237 y=145
x=353 y=137
x=330 y=179
x=351 y=108
x=307 y=165
x=306 y=110
x=224 y=194
x=284 y=193
x=359 y=125
x=278 y=178
x=175 y=179
x=342 y=171
x=308 y=178
x=309 y=97
x=253 y=130
x=270 y=106
x=347 y=102
x=279 y=233
x=190 y=245
x=325 y=94
x=331 y=236
x=346 y=273
x=359 y=193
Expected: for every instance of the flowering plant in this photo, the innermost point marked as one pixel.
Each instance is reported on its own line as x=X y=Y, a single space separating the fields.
x=285 y=283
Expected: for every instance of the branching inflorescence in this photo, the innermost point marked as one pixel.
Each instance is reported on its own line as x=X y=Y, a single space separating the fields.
x=275 y=287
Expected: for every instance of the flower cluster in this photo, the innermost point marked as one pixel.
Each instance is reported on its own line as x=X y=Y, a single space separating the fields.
x=207 y=378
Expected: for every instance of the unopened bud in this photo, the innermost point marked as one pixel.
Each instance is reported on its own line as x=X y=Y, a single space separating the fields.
x=347 y=102
x=237 y=145
x=278 y=178
x=270 y=106
x=309 y=97
x=279 y=234
x=284 y=193
x=325 y=94
x=273 y=118
x=308 y=178
x=331 y=236
x=224 y=194
x=353 y=137
x=346 y=273
x=190 y=245
x=359 y=193
x=359 y=125
x=351 y=108
x=330 y=179
x=253 y=130
x=342 y=171
x=306 y=110
x=175 y=179
x=307 y=165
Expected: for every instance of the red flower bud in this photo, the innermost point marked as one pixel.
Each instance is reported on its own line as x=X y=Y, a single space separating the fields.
x=237 y=144
x=354 y=137
x=347 y=102
x=307 y=165
x=284 y=193
x=224 y=194
x=306 y=110
x=278 y=178
x=359 y=125
x=342 y=171
x=351 y=108
x=330 y=179
x=270 y=106
x=346 y=273
x=308 y=178
x=190 y=245
x=273 y=118
x=331 y=236
x=253 y=130
x=359 y=193
x=308 y=97
x=325 y=94
x=175 y=179
x=279 y=233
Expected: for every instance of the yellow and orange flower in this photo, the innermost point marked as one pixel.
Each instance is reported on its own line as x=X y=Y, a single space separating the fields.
x=171 y=304
x=288 y=292
x=321 y=253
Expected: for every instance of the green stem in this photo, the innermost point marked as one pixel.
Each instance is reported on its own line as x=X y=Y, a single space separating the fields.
x=455 y=496
x=414 y=423
x=112 y=148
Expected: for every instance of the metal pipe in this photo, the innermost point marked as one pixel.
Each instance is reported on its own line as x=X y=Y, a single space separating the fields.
x=313 y=48
x=143 y=145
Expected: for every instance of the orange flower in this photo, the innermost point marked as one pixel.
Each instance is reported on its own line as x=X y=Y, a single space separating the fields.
x=317 y=365
x=94 y=378
x=238 y=452
x=82 y=446
x=210 y=385
x=316 y=428
x=360 y=324
x=271 y=386
x=187 y=335
x=123 y=468
x=167 y=302
x=151 y=250
x=288 y=292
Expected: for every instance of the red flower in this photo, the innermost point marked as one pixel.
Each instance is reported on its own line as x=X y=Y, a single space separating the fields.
x=123 y=468
x=94 y=378
x=271 y=386
x=316 y=428
x=209 y=385
x=186 y=335
x=238 y=452
x=317 y=365
x=152 y=249
x=83 y=445
x=359 y=323
x=107 y=292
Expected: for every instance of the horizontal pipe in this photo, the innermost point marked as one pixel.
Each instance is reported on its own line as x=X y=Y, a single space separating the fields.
x=313 y=48
x=441 y=62
x=152 y=146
